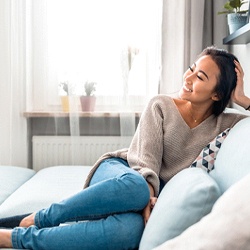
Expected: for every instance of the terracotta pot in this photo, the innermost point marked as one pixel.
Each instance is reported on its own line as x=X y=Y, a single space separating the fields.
x=88 y=103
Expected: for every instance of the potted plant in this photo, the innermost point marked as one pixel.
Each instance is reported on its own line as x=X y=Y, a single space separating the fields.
x=64 y=95
x=88 y=100
x=235 y=16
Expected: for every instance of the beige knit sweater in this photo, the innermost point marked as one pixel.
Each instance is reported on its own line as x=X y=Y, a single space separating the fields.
x=164 y=144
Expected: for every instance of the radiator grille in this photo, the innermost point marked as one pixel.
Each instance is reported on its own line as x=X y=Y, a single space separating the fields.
x=73 y=150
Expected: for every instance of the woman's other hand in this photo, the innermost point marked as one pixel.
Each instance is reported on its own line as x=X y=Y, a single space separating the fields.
x=148 y=209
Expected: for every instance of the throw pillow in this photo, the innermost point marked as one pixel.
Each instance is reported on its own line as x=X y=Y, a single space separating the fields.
x=184 y=200
x=207 y=156
x=226 y=227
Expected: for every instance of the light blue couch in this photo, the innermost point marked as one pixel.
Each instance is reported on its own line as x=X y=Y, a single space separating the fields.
x=24 y=191
x=190 y=196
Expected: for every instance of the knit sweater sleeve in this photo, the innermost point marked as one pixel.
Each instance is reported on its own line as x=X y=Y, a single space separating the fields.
x=146 y=149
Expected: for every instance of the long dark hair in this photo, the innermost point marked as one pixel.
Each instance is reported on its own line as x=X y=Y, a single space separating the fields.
x=227 y=78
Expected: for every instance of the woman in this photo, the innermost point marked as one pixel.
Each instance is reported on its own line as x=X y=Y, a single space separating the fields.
x=122 y=187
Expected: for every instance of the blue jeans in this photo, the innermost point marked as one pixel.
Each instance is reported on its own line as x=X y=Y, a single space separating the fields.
x=106 y=215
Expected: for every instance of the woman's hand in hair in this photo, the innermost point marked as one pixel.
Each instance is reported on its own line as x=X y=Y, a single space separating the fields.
x=238 y=94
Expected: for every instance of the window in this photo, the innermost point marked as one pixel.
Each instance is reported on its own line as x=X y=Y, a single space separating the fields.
x=115 y=43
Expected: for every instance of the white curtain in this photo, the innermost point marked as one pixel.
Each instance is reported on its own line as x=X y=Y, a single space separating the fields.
x=13 y=77
x=115 y=43
x=29 y=63
x=182 y=40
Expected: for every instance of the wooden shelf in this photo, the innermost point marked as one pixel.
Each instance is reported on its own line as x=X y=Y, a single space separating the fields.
x=240 y=36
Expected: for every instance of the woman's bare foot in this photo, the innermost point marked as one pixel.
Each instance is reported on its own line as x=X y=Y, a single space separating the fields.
x=28 y=221
x=5 y=238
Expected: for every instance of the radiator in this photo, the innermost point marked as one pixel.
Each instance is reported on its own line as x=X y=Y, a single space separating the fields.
x=73 y=150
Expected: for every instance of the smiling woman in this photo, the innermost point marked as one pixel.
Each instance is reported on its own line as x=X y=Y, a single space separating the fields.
x=207 y=86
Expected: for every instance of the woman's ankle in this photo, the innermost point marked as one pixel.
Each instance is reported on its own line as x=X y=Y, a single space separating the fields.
x=5 y=238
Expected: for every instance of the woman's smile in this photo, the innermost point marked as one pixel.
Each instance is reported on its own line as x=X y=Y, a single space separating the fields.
x=186 y=89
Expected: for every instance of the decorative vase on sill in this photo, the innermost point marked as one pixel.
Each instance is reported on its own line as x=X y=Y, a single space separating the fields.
x=88 y=100
x=65 y=103
x=236 y=17
x=64 y=95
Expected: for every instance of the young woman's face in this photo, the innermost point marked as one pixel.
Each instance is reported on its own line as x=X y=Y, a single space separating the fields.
x=200 y=81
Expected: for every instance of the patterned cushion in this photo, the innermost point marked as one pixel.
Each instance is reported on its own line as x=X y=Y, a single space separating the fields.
x=207 y=156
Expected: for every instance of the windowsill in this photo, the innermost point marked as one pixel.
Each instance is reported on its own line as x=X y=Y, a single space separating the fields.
x=41 y=114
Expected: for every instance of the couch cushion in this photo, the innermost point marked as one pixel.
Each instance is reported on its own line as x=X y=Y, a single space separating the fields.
x=12 y=178
x=226 y=227
x=47 y=186
x=185 y=199
x=233 y=159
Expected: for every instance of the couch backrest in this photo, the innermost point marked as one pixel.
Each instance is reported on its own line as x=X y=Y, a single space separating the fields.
x=233 y=159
